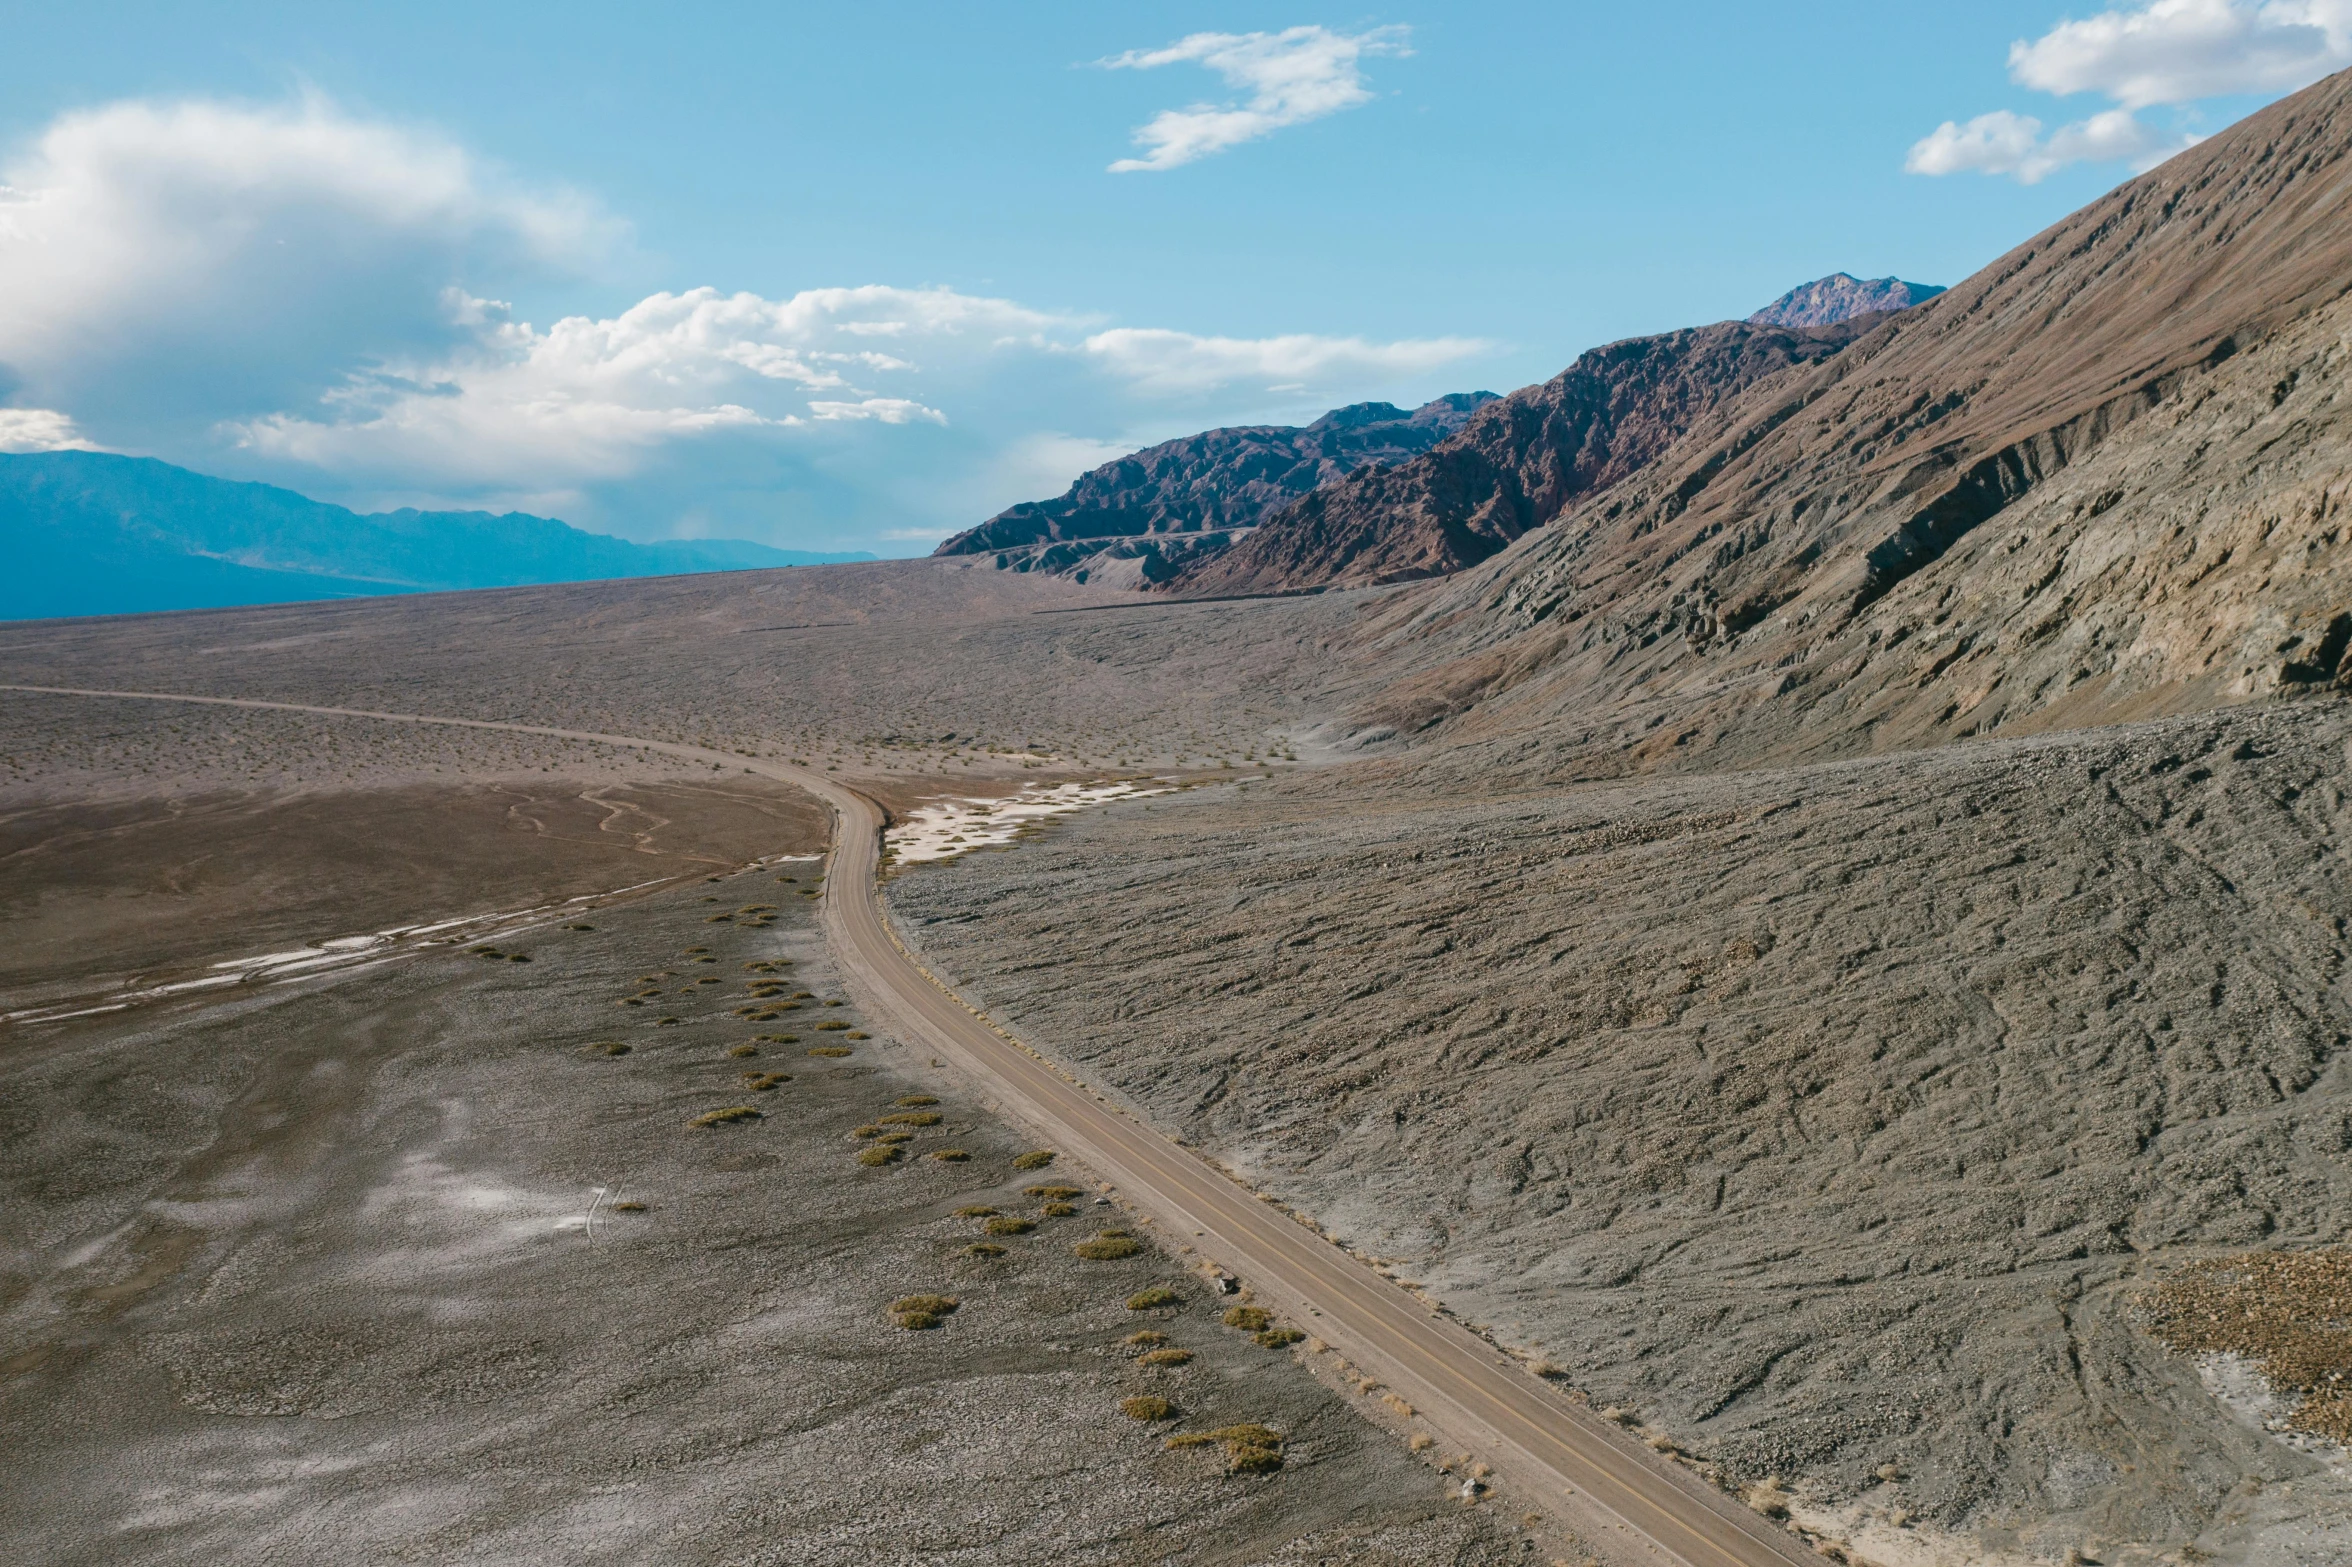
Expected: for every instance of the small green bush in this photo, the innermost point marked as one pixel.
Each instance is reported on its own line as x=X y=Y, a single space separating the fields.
x=1009 y=1226
x=742 y=1051
x=777 y=1039
x=628 y=1207
x=1147 y=1339
x=1146 y=1408
x=1249 y=1449
x=919 y=1321
x=1164 y=1357
x=1035 y=1160
x=910 y=1118
x=1279 y=1338
x=729 y=1115
x=665 y=1022
x=949 y=1155
x=1052 y=1193
x=854 y=1034
x=1057 y=1210
x=613 y=1047
x=881 y=1154
x=1153 y=1299
x=763 y=1082
x=831 y=1025
x=1108 y=1248
x=916 y=1101
x=1253 y=1460
x=983 y=1249
x=937 y=1305
x=1249 y=1319
x=835 y=1051
x=865 y=1131
x=975 y=1212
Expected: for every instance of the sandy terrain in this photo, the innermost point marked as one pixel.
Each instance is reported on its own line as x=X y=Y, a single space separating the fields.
x=305 y=1278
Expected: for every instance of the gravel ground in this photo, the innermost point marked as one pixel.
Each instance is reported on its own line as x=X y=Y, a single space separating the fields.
x=1831 y=1118
x=298 y=1278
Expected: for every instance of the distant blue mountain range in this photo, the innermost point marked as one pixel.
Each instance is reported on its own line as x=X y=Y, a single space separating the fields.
x=90 y=533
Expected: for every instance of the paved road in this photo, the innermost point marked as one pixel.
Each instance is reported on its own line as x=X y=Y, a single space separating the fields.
x=1630 y=1504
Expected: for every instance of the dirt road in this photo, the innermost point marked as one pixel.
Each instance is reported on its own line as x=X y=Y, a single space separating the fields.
x=1626 y=1502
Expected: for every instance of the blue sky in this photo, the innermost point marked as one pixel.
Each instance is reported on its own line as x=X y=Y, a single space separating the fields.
x=443 y=254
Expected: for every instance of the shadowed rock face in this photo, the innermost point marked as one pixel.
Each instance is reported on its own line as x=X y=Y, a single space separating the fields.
x=1515 y=466
x=2103 y=478
x=1840 y=297
x=1204 y=487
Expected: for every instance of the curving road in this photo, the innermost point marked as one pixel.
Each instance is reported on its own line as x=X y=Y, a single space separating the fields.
x=1625 y=1501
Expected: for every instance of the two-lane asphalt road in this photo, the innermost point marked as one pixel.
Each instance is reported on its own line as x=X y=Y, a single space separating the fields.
x=1629 y=1503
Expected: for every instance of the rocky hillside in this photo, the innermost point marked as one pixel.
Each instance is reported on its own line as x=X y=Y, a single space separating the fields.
x=1142 y=514
x=1840 y=297
x=2104 y=477
x=1516 y=464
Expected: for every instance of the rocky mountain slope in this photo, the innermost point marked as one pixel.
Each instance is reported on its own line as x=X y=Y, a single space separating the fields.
x=1515 y=466
x=1140 y=515
x=2102 y=478
x=1840 y=297
x=93 y=533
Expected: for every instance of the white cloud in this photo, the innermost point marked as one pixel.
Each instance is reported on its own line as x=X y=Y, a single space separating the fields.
x=40 y=430
x=243 y=256
x=2176 y=51
x=296 y=295
x=2006 y=143
x=1296 y=75
x=1157 y=360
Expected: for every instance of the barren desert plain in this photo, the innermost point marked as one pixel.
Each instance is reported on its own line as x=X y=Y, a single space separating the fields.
x=1741 y=961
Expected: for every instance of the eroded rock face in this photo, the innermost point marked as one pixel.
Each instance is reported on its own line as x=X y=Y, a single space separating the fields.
x=1840 y=297
x=2101 y=479
x=1517 y=464
x=1194 y=496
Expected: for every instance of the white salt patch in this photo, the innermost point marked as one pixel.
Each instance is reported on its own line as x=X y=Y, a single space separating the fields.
x=946 y=828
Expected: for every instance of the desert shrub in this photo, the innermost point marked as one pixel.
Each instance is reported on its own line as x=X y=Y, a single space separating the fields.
x=1009 y=1226
x=1253 y=1460
x=895 y=1137
x=720 y=919
x=854 y=1034
x=579 y=927
x=1279 y=1338
x=762 y=1082
x=911 y=1118
x=742 y=1051
x=613 y=1047
x=1250 y=1319
x=518 y=957
x=1057 y=1210
x=628 y=1207
x=835 y=1051
x=1108 y=1248
x=776 y=1039
x=881 y=1154
x=1153 y=1299
x=837 y=1002
x=918 y=1321
x=865 y=1131
x=1038 y=1159
x=975 y=1212
x=730 y=1114
x=950 y=1155
x=665 y=1022
x=1164 y=1357
x=937 y=1305
x=1249 y=1449
x=696 y=951
x=630 y=1001
x=1147 y=1339
x=916 y=1101
x=1146 y=1408
x=831 y=1025
x=1052 y=1193
x=706 y=960
x=983 y=1249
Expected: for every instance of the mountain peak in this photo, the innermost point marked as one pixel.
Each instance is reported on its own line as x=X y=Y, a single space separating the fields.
x=1840 y=297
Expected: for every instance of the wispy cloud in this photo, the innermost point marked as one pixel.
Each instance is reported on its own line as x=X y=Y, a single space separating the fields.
x=2163 y=53
x=40 y=430
x=1290 y=77
x=1159 y=360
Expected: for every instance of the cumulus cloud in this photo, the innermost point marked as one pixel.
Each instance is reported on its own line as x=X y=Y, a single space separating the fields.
x=241 y=256
x=297 y=295
x=1291 y=77
x=2166 y=52
x=2013 y=144
x=2176 y=51
x=40 y=430
x=1159 y=360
